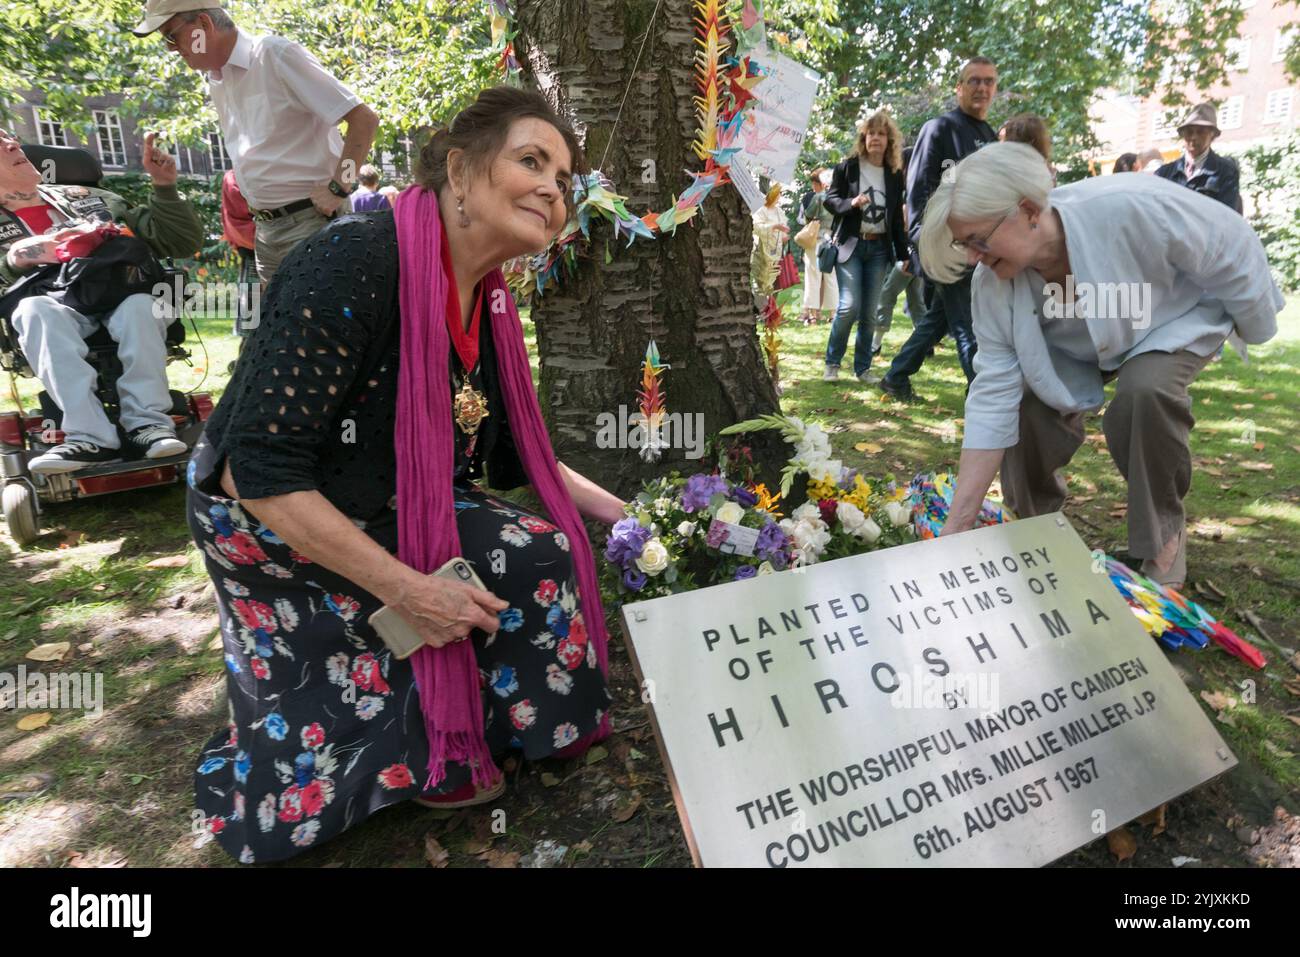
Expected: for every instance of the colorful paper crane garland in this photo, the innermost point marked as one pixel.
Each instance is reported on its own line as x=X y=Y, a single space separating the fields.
x=721 y=100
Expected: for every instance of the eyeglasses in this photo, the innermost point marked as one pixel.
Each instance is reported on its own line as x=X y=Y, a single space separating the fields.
x=170 y=38
x=989 y=81
x=981 y=244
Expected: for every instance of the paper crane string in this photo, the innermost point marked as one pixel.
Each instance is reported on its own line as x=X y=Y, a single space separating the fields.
x=1174 y=620
x=930 y=495
x=652 y=402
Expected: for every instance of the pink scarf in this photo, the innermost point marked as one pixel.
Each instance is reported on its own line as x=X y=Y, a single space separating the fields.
x=448 y=677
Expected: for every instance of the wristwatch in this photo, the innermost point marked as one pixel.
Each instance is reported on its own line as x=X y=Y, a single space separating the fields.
x=339 y=190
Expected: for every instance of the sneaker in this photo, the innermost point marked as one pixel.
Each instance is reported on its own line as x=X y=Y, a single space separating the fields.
x=869 y=377
x=831 y=374
x=902 y=392
x=467 y=795
x=70 y=456
x=155 y=442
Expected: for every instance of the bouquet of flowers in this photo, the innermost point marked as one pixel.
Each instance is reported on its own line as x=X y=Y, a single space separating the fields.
x=682 y=534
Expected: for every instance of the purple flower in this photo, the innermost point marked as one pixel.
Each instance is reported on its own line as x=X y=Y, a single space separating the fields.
x=626 y=541
x=743 y=496
x=700 y=489
x=771 y=541
x=634 y=579
x=745 y=571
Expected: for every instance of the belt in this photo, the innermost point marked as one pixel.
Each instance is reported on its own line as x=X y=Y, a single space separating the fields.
x=266 y=215
x=872 y=237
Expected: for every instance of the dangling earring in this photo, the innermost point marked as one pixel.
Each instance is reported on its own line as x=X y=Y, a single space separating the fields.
x=460 y=208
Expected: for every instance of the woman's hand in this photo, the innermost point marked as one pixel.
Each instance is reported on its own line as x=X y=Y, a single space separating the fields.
x=442 y=611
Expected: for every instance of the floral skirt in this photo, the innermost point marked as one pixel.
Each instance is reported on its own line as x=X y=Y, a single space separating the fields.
x=325 y=724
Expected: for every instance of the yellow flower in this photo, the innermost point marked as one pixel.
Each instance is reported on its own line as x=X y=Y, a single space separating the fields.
x=767 y=501
x=822 y=490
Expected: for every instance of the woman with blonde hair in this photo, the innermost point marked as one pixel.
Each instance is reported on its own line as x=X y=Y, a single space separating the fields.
x=866 y=196
x=1136 y=280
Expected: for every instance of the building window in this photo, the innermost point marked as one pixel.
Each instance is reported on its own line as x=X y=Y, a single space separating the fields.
x=220 y=159
x=112 y=145
x=1230 y=115
x=1162 y=127
x=1281 y=40
x=49 y=131
x=1278 y=107
x=1238 y=58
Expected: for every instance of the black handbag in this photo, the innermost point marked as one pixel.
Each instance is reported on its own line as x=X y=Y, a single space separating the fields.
x=828 y=253
x=93 y=285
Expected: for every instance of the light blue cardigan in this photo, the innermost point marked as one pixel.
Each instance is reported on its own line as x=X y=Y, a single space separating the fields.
x=1206 y=274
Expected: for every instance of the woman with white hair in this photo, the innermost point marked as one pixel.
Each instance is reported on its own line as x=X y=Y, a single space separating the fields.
x=1134 y=280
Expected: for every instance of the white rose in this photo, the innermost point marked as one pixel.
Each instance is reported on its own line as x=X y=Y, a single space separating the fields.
x=868 y=531
x=654 y=558
x=850 y=515
x=766 y=569
x=729 y=512
x=898 y=513
x=807 y=512
x=686 y=529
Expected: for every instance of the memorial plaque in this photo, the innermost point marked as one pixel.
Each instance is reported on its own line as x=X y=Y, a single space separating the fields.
x=985 y=699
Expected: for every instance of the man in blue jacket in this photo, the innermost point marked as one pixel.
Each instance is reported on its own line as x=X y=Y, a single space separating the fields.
x=1200 y=168
x=942 y=143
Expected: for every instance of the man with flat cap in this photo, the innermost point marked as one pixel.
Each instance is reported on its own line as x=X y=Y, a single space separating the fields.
x=1200 y=168
x=280 y=112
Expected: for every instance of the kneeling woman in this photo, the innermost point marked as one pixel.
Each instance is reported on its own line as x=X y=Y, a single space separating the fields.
x=388 y=370
x=1136 y=280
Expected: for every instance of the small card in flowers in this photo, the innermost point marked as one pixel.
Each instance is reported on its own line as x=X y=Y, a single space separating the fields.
x=732 y=539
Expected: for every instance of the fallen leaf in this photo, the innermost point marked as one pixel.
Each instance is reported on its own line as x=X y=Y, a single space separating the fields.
x=871 y=447
x=500 y=858
x=582 y=847
x=1274 y=749
x=1224 y=718
x=1258 y=466
x=1269 y=396
x=54 y=651
x=1156 y=818
x=1118 y=513
x=1210 y=470
x=99 y=586
x=1122 y=843
x=31 y=722
x=623 y=812
x=72 y=537
x=1293 y=719
x=434 y=852
x=1258 y=446
x=596 y=755
x=216 y=643
x=549 y=780
x=1218 y=700
x=86 y=646
x=169 y=561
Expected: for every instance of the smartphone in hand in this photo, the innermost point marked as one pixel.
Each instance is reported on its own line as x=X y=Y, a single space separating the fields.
x=397 y=633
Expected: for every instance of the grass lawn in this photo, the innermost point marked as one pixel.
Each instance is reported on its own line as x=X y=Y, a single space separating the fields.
x=83 y=790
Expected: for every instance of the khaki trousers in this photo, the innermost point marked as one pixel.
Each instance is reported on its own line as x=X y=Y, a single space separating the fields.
x=1147 y=426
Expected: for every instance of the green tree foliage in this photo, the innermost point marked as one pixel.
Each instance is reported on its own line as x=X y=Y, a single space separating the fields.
x=416 y=62
x=1053 y=57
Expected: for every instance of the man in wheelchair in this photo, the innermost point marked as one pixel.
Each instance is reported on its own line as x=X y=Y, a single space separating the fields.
x=35 y=220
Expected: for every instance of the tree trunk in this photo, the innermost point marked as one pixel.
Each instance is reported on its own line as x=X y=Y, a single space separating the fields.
x=690 y=292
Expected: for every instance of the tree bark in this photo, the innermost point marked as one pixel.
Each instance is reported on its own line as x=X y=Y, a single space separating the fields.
x=690 y=292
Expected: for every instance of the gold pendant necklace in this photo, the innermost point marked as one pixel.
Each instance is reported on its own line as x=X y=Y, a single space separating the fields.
x=470 y=406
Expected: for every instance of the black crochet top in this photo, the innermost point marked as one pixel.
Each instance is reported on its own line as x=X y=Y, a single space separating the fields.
x=312 y=403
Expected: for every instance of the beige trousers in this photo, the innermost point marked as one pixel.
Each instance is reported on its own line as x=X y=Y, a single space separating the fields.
x=1147 y=426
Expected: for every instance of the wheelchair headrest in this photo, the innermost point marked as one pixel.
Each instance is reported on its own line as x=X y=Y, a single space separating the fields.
x=72 y=166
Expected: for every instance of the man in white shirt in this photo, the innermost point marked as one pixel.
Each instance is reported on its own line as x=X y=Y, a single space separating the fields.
x=280 y=111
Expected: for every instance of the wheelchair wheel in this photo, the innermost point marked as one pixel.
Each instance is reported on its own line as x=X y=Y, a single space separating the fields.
x=20 y=513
